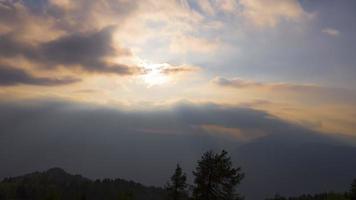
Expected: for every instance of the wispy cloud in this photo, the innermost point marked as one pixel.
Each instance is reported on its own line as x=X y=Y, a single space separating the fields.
x=169 y=69
x=331 y=32
x=244 y=83
x=311 y=91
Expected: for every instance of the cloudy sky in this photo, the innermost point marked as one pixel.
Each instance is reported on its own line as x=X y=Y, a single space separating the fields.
x=294 y=59
x=245 y=69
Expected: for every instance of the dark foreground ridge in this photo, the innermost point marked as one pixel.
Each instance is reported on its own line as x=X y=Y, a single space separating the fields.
x=55 y=184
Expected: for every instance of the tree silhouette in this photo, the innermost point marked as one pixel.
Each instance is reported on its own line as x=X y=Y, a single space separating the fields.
x=216 y=178
x=353 y=190
x=176 y=188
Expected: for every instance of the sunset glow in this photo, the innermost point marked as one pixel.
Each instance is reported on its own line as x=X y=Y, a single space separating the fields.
x=154 y=75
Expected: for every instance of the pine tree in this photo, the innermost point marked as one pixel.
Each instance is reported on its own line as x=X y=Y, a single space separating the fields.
x=216 y=178
x=176 y=188
x=353 y=190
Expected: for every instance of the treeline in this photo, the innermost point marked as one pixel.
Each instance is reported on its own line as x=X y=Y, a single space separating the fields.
x=351 y=195
x=56 y=184
x=215 y=178
x=322 y=196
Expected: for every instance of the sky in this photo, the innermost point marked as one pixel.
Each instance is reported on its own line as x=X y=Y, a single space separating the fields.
x=205 y=72
x=294 y=59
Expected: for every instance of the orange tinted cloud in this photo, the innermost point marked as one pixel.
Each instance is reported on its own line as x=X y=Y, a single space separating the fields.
x=268 y=13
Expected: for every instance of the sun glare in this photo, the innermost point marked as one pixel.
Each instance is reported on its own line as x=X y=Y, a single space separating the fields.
x=154 y=75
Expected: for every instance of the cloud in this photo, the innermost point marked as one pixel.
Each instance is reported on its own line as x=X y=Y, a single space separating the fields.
x=206 y=6
x=79 y=35
x=86 y=15
x=10 y=47
x=180 y=118
x=26 y=24
x=212 y=7
x=268 y=13
x=14 y=76
x=183 y=44
x=171 y=69
x=88 y=51
x=243 y=83
x=311 y=91
x=228 y=6
x=325 y=109
x=9 y=13
x=236 y=82
x=331 y=32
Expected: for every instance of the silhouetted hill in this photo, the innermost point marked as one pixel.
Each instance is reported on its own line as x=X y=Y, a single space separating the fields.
x=55 y=183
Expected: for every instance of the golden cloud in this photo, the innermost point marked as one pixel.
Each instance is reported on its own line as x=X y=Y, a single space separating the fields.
x=268 y=13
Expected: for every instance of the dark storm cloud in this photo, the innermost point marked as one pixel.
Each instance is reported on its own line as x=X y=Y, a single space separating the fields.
x=87 y=50
x=12 y=76
x=145 y=145
x=79 y=48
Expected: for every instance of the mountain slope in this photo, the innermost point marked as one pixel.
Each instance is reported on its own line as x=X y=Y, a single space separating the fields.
x=58 y=184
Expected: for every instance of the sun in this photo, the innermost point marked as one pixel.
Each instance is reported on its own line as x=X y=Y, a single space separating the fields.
x=154 y=75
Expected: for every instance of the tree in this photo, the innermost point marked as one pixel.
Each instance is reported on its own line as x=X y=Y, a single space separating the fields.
x=216 y=178
x=176 y=188
x=353 y=190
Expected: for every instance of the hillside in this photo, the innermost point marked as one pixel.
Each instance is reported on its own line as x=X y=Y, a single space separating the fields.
x=55 y=183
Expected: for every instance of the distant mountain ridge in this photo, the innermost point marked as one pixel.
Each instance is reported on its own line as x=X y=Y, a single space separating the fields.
x=56 y=183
